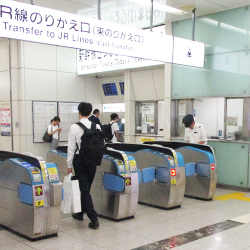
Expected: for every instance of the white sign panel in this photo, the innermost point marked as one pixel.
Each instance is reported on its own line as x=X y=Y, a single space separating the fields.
x=69 y=114
x=37 y=24
x=95 y=62
x=114 y=107
x=43 y=112
x=188 y=52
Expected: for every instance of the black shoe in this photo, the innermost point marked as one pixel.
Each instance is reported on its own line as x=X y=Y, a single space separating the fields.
x=94 y=224
x=78 y=216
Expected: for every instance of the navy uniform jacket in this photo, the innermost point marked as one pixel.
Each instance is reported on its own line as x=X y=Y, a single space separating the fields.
x=96 y=120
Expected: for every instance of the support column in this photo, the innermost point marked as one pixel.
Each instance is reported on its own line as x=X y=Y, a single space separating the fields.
x=167 y=92
x=129 y=99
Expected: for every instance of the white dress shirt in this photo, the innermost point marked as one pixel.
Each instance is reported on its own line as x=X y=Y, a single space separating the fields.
x=114 y=127
x=52 y=128
x=196 y=135
x=75 y=134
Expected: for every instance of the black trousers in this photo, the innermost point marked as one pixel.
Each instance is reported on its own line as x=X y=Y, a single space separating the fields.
x=85 y=175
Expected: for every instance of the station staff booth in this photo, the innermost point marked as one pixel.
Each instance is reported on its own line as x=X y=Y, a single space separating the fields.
x=32 y=195
x=200 y=168
x=161 y=174
x=115 y=187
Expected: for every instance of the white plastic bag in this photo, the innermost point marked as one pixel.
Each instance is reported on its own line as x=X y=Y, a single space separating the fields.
x=76 y=197
x=67 y=200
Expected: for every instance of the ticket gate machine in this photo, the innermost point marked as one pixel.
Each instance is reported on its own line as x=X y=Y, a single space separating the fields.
x=115 y=187
x=32 y=195
x=200 y=165
x=161 y=174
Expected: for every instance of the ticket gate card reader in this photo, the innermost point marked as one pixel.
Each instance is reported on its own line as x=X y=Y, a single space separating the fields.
x=59 y=156
x=200 y=165
x=115 y=187
x=32 y=194
x=161 y=174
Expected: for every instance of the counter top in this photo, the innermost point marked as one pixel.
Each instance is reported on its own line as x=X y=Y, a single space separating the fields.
x=215 y=140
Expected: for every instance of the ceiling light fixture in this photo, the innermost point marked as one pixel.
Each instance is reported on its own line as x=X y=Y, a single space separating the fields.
x=159 y=6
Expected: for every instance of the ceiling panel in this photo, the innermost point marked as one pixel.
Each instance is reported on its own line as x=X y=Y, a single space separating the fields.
x=231 y=4
x=127 y=13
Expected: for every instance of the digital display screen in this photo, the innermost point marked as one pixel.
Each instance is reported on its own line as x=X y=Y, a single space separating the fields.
x=109 y=89
x=121 y=168
x=37 y=178
x=122 y=87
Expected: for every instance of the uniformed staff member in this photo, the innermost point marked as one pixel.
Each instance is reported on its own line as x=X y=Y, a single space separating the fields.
x=194 y=132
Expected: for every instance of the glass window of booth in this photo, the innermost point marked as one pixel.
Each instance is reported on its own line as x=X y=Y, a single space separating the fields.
x=149 y=117
x=207 y=111
x=145 y=117
x=235 y=122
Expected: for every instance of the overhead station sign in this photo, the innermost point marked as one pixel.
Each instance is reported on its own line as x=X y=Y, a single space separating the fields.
x=188 y=52
x=37 y=24
x=95 y=62
x=185 y=52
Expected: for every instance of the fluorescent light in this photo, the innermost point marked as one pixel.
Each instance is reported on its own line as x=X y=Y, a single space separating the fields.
x=236 y=29
x=159 y=6
x=210 y=21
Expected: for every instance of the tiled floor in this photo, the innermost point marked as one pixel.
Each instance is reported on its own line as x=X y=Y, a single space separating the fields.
x=150 y=225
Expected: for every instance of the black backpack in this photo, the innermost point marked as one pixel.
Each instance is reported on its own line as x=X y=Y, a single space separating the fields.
x=107 y=131
x=92 y=145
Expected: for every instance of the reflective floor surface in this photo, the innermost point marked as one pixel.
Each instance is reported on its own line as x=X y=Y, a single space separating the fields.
x=207 y=225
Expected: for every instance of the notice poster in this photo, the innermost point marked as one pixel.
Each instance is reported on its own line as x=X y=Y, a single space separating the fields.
x=43 y=112
x=147 y=111
x=182 y=108
x=232 y=121
x=69 y=115
x=5 y=118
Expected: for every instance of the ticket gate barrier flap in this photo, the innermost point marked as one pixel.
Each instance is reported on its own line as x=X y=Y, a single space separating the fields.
x=190 y=168
x=114 y=183
x=25 y=193
x=139 y=176
x=148 y=174
x=26 y=209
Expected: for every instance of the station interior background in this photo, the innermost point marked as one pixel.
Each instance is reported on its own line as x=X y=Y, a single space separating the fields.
x=38 y=72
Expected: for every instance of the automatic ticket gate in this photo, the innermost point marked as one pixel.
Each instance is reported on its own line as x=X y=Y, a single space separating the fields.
x=32 y=195
x=200 y=165
x=115 y=187
x=161 y=174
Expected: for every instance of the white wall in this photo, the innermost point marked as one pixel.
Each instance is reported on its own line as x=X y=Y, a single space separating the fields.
x=5 y=141
x=46 y=73
x=148 y=84
x=210 y=113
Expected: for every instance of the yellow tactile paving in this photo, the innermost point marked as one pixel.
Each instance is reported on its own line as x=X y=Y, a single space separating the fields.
x=235 y=196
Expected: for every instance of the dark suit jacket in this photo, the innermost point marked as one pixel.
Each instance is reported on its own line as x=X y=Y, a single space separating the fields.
x=96 y=120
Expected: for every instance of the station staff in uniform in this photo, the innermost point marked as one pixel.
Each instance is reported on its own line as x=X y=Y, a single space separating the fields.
x=84 y=172
x=194 y=132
